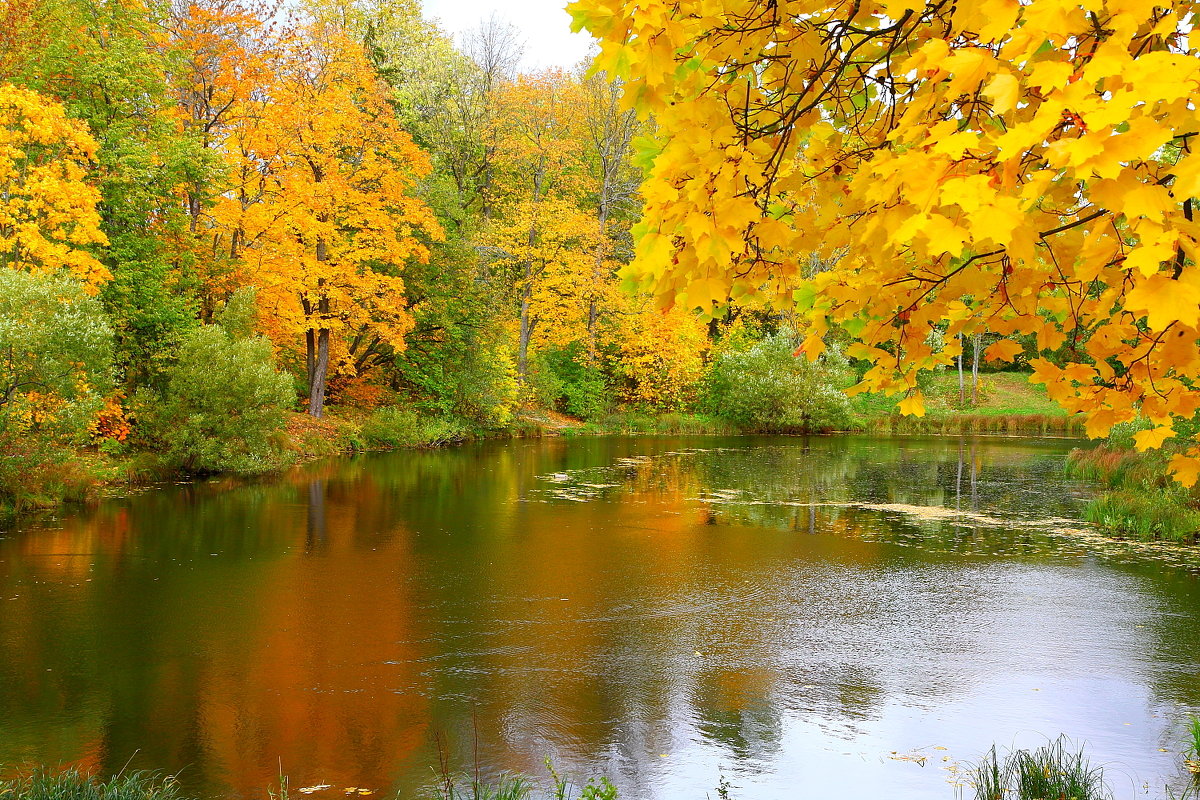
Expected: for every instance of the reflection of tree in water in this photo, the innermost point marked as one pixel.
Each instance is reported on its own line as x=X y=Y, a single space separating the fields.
x=736 y=709
x=800 y=487
x=353 y=607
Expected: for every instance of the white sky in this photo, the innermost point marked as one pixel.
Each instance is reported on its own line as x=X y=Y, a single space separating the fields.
x=544 y=25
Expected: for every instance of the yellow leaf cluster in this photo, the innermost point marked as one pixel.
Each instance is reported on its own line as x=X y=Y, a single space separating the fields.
x=1026 y=168
x=48 y=216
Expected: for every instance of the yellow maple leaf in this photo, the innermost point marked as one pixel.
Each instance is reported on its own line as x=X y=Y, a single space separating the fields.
x=1004 y=90
x=1164 y=301
x=1153 y=438
x=1185 y=469
x=913 y=405
x=1003 y=350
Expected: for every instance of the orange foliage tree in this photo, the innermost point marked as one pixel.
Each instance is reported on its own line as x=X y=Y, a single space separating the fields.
x=325 y=214
x=223 y=60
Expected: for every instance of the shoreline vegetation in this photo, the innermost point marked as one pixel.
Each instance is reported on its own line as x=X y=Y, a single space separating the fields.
x=1140 y=500
x=44 y=478
x=1058 y=769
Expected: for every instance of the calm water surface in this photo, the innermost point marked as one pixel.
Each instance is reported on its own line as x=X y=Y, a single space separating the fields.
x=830 y=617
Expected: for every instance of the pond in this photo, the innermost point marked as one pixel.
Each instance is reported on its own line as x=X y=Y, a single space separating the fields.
x=847 y=617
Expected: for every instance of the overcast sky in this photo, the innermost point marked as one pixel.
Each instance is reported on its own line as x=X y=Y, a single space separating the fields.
x=544 y=24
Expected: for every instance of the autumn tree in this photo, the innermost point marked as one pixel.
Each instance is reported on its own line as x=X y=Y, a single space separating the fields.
x=326 y=211
x=610 y=130
x=1027 y=168
x=546 y=247
x=107 y=64
x=48 y=220
x=222 y=60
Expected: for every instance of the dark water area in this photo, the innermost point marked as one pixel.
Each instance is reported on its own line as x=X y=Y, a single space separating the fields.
x=844 y=617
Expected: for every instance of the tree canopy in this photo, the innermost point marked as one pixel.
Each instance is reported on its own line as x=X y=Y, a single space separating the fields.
x=1025 y=168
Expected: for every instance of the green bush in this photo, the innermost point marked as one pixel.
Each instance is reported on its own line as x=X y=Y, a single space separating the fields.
x=767 y=388
x=224 y=403
x=55 y=367
x=403 y=427
x=564 y=380
x=55 y=355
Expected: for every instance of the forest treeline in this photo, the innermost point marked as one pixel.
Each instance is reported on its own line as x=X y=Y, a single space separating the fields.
x=217 y=212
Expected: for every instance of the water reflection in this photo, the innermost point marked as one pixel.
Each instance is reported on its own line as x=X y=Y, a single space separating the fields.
x=803 y=614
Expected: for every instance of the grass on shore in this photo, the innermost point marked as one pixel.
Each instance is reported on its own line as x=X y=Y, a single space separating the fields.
x=1055 y=770
x=1143 y=500
x=1006 y=403
x=71 y=784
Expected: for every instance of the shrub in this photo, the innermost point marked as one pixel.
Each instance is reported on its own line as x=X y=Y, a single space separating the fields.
x=403 y=427
x=390 y=427
x=564 y=379
x=469 y=375
x=767 y=388
x=224 y=400
x=55 y=361
x=55 y=355
x=658 y=358
x=36 y=472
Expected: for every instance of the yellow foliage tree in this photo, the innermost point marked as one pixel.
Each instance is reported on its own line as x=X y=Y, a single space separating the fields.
x=48 y=214
x=660 y=356
x=326 y=214
x=541 y=231
x=546 y=247
x=1024 y=167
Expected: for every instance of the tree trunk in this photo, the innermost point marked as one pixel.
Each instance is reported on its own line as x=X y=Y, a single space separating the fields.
x=310 y=354
x=975 y=370
x=316 y=389
x=961 y=390
x=524 y=336
x=318 y=362
x=526 y=331
x=597 y=275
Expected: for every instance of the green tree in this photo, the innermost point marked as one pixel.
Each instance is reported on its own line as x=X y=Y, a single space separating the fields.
x=106 y=62
x=55 y=354
x=224 y=401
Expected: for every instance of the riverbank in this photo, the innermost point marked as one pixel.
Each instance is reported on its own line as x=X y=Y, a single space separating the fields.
x=1142 y=501
x=1003 y=402
x=32 y=479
